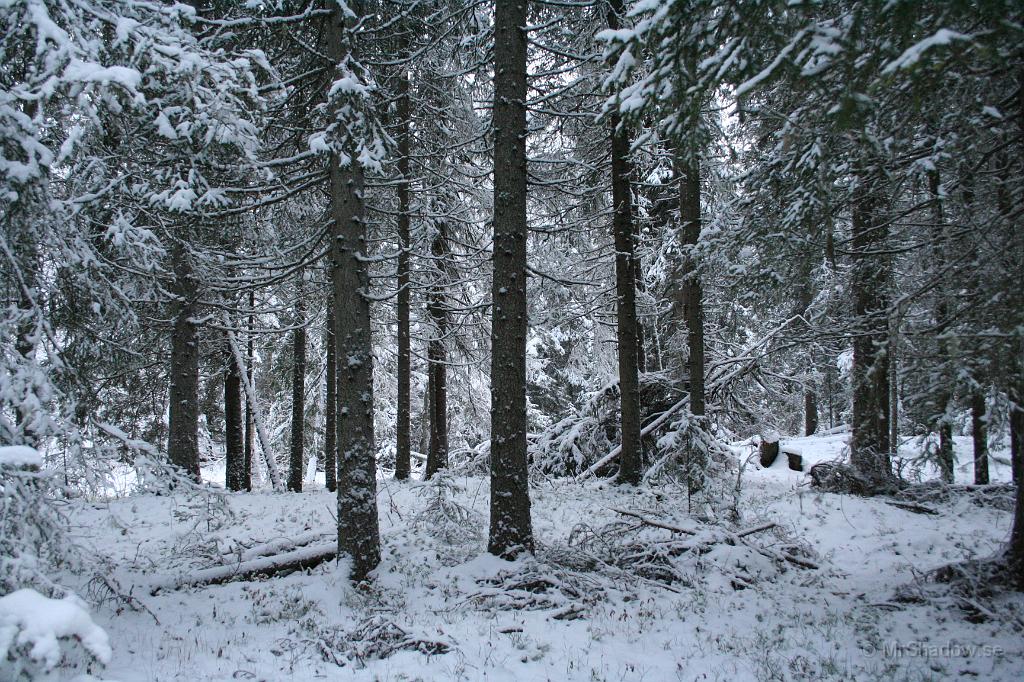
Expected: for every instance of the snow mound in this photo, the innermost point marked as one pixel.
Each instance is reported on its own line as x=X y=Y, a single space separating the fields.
x=27 y=618
x=20 y=456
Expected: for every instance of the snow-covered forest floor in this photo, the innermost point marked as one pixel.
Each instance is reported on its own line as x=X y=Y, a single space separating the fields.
x=441 y=608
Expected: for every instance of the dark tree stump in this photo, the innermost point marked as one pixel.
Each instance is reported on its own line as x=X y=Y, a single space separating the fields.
x=796 y=461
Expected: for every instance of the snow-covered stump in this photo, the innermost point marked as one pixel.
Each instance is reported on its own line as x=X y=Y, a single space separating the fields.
x=769 y=448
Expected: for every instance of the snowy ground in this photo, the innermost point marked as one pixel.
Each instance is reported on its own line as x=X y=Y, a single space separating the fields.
x=438 y=586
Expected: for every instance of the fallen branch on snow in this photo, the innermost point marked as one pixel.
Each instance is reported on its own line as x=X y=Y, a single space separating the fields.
x=277 y=564
x=732 y=537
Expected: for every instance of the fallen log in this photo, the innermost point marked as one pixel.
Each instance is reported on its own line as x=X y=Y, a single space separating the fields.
x=277 y=564
x=275 y=546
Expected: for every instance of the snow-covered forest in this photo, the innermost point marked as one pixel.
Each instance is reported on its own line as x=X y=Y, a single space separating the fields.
x=511 y=340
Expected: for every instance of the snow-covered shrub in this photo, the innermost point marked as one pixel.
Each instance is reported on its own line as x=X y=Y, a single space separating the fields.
x=39 y=634
x=442 y=516
x=32 y=527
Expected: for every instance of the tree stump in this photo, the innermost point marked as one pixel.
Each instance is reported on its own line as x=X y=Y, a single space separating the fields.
x=769 y=448
x=796 y=461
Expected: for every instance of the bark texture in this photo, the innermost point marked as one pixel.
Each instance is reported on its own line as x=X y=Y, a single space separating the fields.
x=692 y=292
x=944 y=395
x=183 y=427
x=627 y=328
x=404 y=437
x=979 y=436
x=250 y=418
x=358 y=532
x=870 y=447
x=511 y=530
x=331 y=405
x=692 y=304
x=298 y=394
x=437 y=358
x=234 y=469
x=810 y=413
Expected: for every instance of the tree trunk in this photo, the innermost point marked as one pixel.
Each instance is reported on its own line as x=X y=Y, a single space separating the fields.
x=692 y=303
x=511 y=529
x=331 y=405
x=424 y=422
x=1015 y=553
x=437 y=372
x=642 y=342
x=403 y=441
x=627 y=328
x=298 y=392
x=979 y=434
x=234 y=467
x=944 y=395
x=250 y=421
x=358 y=533
x=869 y=446
x=810 y=413
x=692 y=294
x=183 y=428
x=805 y=298
x=1017 y=437
x=250 y=395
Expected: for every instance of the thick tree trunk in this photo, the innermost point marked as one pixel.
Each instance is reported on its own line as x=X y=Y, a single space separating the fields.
x=234 y=467
x=331 y=405
x=511 y=530
x=183 y=427
x=869 y=446
x=979 y=434
x=250 y=421
x=298 y=393
x=358 y=532
x=403 y=444
x=627 y=328
x=437 y=372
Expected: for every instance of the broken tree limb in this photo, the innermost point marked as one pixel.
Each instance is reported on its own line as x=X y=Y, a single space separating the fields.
x=781 y=556
x=647 y=521
x=250 y=394
x=912 y=507
x=296 y=560
x=735 y=537
x=646 y=431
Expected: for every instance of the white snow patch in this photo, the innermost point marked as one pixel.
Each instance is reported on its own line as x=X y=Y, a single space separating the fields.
x=20 y=456
x=29 y=618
